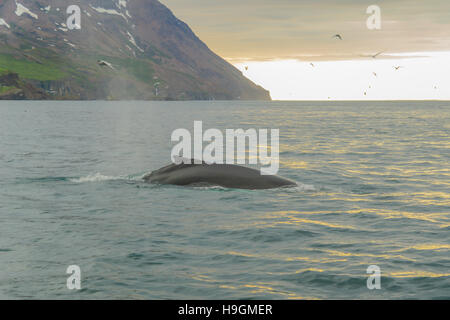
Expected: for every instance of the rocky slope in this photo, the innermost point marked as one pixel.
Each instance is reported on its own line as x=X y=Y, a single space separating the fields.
x=12 y=88
x=124 y=50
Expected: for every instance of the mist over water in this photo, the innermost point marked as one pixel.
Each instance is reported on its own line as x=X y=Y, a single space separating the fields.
x=373 y=190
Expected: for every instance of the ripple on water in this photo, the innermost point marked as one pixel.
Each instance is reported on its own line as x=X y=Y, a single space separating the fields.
x=372 y=189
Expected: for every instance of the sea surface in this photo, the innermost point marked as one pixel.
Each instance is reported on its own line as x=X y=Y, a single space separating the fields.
x=374 y=189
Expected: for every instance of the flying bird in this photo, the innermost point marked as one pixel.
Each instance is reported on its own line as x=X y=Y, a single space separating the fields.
x=104 y=63
x=337 y=36
x=375 y=74
x=312 y=64
x=376 y=54
x=396 y=68
x=246 y=68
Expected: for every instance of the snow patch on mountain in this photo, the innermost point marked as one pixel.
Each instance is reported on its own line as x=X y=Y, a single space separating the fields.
x=133 y=41
x=21 y=9
x=109 y=11
x=46 y=9
x=3 y=23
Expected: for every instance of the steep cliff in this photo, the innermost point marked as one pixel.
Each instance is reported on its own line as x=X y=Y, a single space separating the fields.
x=124 y=50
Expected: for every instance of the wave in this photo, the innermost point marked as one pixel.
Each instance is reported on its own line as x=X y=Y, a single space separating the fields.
x=300 y=187
x=210 y=187
x=304 y=187
x=98 y=177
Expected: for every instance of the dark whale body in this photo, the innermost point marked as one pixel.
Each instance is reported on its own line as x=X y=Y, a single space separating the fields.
x=224 y=175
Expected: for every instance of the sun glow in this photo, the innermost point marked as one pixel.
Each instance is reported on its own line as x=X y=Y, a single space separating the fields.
x=420 y=76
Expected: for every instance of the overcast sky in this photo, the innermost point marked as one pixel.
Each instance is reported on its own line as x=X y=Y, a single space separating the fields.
x=267 y=29
x=273 y=42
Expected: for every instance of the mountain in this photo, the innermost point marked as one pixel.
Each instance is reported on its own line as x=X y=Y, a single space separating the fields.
x=123 y=50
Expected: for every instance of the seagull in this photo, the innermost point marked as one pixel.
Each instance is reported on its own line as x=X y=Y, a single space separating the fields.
x=376 y=54
x=337 y=36
x=104 y=63
x=396 y=68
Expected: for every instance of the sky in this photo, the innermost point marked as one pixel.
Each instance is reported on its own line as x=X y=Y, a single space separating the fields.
x=274 y=42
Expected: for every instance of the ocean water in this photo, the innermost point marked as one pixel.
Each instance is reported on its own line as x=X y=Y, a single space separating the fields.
x=374 y=189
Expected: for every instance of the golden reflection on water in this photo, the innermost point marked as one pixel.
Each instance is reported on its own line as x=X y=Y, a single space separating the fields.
x=254 y=288
x=294 y=218
x=402 y=176
x=426 y=246
x=429 y=217
x=290 y=218
x=299 y=221
x=310 y=269
x=280 y=257
x=383 y=256
x=268 y=289
x=263 y=288
x=294 y=164
x=417 y=274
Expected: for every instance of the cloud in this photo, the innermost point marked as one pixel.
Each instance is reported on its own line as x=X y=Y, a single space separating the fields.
x=268 y=29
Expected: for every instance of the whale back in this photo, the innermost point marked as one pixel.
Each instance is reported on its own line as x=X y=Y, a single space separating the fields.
x=225 y=175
